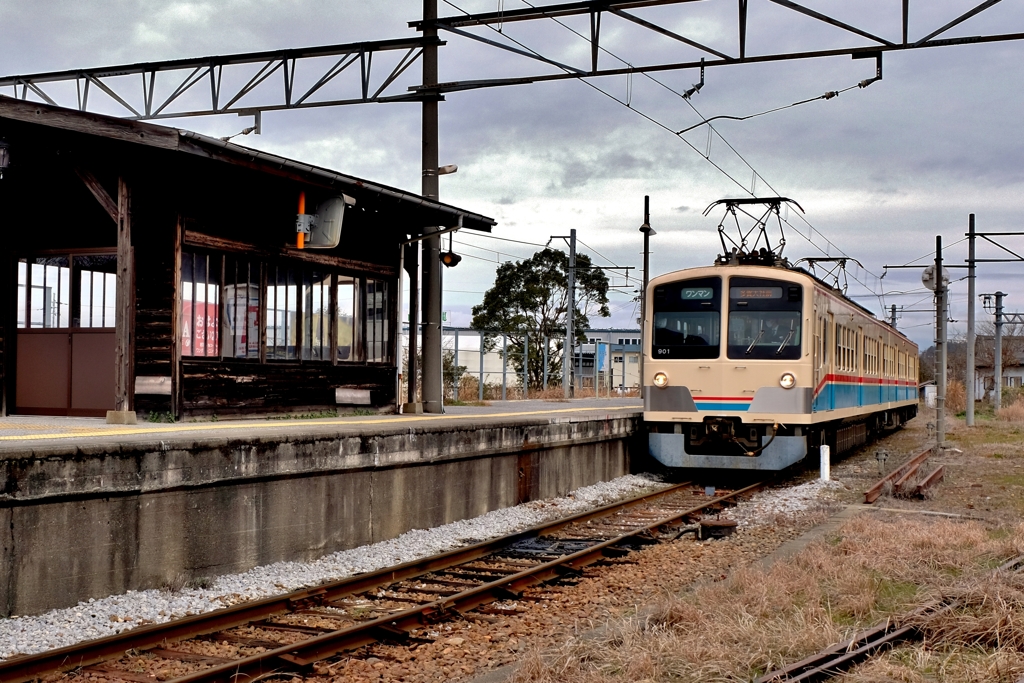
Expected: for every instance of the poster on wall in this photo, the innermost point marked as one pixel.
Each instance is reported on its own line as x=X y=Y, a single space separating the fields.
x=199 y=330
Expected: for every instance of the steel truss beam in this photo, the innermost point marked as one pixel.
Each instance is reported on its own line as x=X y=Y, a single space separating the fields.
x=186 y=74
x=282 y=64
x=714 y=57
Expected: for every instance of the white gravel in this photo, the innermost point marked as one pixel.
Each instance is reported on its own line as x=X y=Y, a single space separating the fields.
x=107 y=616
x=763 y=506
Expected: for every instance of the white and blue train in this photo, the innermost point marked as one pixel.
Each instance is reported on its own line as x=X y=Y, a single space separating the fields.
x=754 y=366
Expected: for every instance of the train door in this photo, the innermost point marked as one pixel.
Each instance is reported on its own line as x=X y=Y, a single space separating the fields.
x=66 y=339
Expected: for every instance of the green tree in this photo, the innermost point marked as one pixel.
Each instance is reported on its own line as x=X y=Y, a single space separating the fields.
x=530 y=297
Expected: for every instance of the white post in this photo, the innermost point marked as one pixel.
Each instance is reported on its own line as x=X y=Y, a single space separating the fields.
x=825 y=462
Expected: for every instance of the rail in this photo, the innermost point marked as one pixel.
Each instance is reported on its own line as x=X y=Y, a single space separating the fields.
x=466 y=578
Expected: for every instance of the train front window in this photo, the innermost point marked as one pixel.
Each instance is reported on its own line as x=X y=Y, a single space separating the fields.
x=764 y=319
x=687 y=319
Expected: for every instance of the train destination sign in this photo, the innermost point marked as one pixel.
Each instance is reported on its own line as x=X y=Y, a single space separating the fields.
x=755 y=292
x=696 y=293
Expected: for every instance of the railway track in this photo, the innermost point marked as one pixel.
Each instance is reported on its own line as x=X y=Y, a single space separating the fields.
x=291 y=632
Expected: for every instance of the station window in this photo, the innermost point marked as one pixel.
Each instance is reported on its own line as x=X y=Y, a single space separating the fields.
x=200 y=305
x=67 y=290
x=282 y=313
x=345 y=313
x=44 y=292
x=377 y=316
x=233 y=307
x=95 y=276
x=316 y=315
x=241 y=294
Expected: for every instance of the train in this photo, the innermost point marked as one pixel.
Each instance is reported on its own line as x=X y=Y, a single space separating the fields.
x=753 y=364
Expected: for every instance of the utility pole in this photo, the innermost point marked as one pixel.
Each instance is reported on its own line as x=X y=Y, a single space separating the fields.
x=568 y=357
x=892 y=315
x=647 y=230
x=969 y=379
x=940 y=347
x=433 y=401
x=998 y=403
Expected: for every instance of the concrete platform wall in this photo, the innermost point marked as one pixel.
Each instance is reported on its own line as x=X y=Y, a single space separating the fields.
x=88 y=522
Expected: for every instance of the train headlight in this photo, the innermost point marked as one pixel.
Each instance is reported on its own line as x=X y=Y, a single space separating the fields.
x=788 y=380
x=660 y=380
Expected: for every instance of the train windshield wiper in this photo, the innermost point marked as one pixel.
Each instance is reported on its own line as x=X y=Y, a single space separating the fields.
x=785 y=342
x=756 y=339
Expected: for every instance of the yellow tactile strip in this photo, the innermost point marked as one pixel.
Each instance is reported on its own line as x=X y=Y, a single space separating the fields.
x=79 y=432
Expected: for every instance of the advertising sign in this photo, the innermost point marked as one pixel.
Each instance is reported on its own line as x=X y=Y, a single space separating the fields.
x=199 y=329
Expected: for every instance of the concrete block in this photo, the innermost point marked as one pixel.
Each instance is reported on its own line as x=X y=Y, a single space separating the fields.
x=121 y=417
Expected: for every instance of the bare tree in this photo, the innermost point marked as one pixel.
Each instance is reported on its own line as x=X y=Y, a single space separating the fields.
x=1012 y=351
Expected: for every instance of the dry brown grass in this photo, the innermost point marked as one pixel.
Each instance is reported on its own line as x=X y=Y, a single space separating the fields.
x=1013 y=412
x=757 y=620
x=930 y=662
x=956 y=397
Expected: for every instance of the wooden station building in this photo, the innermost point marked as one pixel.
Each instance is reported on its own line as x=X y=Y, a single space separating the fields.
x=154 y=269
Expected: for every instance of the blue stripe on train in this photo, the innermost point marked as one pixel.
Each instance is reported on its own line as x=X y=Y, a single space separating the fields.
x=835 y=395
x=739 y=407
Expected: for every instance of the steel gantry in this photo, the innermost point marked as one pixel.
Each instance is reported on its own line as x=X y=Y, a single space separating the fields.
x=183 y=80
x=187 y=77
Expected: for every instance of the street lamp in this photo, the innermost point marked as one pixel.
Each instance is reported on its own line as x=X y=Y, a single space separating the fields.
x=647 y=230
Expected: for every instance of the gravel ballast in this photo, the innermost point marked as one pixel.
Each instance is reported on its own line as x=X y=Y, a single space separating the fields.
x=97 y=618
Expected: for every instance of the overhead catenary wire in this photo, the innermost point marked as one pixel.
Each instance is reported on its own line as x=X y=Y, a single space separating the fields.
x=707 y=158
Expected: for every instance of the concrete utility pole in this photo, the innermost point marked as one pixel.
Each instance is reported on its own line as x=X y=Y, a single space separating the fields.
x=568 y=357
x=998 y=403
x=940 y=347
x=647 y=230
x=432 y=367
x=969 y=372
x=892 y=315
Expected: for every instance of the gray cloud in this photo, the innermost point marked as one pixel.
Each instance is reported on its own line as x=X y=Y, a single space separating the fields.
x=879 y=170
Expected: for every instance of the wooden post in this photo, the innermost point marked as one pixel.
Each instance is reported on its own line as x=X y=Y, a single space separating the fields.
x=124 y=349
x=176 y=308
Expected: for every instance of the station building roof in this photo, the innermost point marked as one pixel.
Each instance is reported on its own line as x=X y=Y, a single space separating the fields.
x=408 y=208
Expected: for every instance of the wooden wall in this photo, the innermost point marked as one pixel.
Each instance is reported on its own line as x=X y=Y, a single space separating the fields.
x=47 y=206
x=154 y=231
x=226 y=387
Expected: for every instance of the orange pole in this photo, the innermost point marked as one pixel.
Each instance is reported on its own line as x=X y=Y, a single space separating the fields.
x=302 y=209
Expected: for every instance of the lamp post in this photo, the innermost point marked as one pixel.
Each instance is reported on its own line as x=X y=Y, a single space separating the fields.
x=647 y=230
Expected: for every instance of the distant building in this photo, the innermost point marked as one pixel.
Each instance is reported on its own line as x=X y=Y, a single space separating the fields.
x=623 y=349
x=984 y=365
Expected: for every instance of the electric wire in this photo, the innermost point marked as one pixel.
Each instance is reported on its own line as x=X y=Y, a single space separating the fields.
x=686 y=98
x=506 y=239
x=707 y=158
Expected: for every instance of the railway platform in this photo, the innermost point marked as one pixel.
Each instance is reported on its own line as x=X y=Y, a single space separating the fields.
x=96 y=509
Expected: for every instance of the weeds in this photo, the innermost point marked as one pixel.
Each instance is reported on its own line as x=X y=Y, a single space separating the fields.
x=1013 y=412
x=318 y=415
x=181 y=581
x=757 y=619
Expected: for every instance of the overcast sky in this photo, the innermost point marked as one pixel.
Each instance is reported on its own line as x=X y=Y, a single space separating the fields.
x=880 y=171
